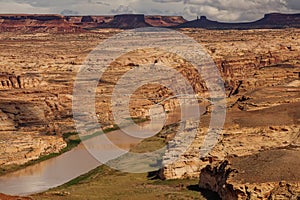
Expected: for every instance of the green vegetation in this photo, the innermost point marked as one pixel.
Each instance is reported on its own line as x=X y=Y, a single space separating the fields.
x=106 y=183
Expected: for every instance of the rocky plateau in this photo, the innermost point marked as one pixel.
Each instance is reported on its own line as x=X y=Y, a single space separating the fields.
x=257 y=154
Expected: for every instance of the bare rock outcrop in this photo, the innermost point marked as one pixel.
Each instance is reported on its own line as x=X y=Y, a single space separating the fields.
x=20 y=148
x=260 y=176
x=11 y=81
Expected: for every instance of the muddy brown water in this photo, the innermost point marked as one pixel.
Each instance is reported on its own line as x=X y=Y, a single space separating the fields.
x=59 y=170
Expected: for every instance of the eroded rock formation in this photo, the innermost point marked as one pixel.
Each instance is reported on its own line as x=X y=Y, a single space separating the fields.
x=271 y=174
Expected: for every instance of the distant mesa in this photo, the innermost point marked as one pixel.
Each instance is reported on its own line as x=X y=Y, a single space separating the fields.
x=36 y=23
x=87 y=19
x=70 y=24
x=203 y=18
x=270 y=21
x=128 y=21
x=36 y=17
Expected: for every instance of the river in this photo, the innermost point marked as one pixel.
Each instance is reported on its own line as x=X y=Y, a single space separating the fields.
x=59 y=170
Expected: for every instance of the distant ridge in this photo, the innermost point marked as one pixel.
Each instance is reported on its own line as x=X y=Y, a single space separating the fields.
x=72 y=24
x=270 y=21
x=126 y=21
x=37 y=23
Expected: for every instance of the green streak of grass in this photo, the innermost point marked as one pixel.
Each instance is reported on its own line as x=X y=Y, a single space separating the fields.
x=106 y=183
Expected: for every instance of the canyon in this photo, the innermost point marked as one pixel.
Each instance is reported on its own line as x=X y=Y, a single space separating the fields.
x=256 y=154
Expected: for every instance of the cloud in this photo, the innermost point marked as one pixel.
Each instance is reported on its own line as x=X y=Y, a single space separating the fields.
x=102 y=3
x=122 y=10
x=221 y=10
x=8 y=7
x=235 y=10
x=69 y=12
x=167 y=1
x=293 y=4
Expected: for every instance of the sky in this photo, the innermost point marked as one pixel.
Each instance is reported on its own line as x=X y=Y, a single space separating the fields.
x=221 y=10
